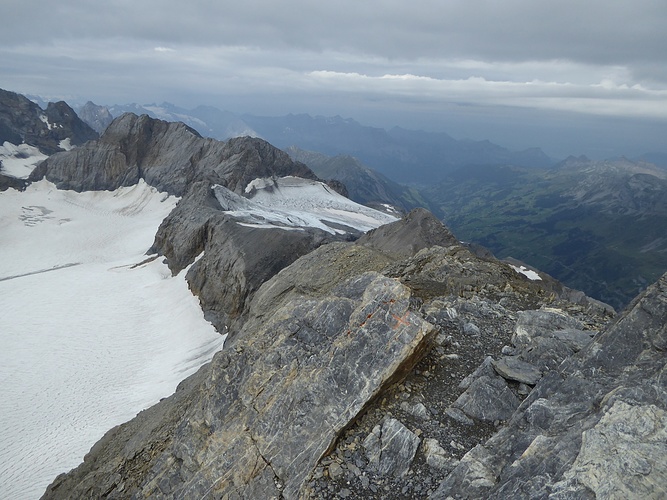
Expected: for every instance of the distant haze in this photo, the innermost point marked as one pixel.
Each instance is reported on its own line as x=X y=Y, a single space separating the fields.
x=571 y=77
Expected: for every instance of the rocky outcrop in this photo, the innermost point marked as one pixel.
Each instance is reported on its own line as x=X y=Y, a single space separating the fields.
x=7 y=182
x=255 y=422
x=23 y=121
x=337 y=383
x=168 y=156
x=593 y=427
x=416 y=231
x=235 y=260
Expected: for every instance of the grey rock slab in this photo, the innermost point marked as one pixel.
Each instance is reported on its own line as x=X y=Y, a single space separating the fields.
x=485 y=368
x=436 y=456
x=574 y=339
x=512 y=368
x=488 y=399
x=390 y=448
x=458 y=415
x=540 y=322
x=592 y=428
x=639 y=471
x=255 y=422
x=416 y=410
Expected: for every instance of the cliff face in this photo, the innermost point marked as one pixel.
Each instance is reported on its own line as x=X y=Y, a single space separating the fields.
x=169 y=156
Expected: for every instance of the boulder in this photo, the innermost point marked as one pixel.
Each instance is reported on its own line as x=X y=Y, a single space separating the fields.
x=488 y=399
x=512 y=368
x=390 y=448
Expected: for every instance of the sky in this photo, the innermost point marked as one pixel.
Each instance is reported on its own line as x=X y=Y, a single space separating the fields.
x=571 y=77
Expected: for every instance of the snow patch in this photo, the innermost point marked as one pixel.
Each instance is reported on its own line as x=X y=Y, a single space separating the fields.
x=66 y=144
x=529 y=273
x=19 y=161
x=45 y=120
x=92 y=330
x=293 y=202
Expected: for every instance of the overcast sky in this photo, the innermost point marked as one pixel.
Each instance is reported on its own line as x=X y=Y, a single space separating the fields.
x=570 y=76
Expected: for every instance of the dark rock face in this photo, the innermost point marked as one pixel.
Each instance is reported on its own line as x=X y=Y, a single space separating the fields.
x=23 y=121
x=169 y=156
x=7 y=182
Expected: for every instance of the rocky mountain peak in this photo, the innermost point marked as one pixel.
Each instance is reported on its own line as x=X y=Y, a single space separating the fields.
x=23 y=121
x=98 y=117
x=168 y=155
x=419 y=229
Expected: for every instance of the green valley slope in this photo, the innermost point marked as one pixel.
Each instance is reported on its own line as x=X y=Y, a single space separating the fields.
x=598 y=226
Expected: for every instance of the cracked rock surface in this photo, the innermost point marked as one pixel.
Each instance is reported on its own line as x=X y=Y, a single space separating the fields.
x=270 y=405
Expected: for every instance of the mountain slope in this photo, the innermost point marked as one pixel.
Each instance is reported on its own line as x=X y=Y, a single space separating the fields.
x=364 y=185
x=324 y=341
x=598 y=226
x=22 y=121
x=403 y=155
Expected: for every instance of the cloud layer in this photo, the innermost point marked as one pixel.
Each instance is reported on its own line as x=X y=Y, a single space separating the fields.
x=601 y=58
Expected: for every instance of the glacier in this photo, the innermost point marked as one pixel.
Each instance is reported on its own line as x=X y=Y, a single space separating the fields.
x=92 y=330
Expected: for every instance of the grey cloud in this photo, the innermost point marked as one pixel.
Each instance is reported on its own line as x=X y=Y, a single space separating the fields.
x=475 y=60
x=595 y=31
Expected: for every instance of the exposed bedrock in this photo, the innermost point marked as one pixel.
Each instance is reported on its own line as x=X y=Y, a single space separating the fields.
x=594 y=427
x=255 y=422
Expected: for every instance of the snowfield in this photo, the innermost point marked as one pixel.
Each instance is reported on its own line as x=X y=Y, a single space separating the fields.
x=294 y=203
x=91 y=330
x=19 y=161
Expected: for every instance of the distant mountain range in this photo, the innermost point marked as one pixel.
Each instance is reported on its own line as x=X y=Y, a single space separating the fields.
x=563 y=218
x=407 y=156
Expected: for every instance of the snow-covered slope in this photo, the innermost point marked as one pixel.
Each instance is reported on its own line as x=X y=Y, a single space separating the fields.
x=19 y=161
x=294 y=203
x=91 y=331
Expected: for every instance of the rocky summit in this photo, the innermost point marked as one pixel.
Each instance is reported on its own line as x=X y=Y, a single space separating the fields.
x=23 y=121
x=399 y=363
